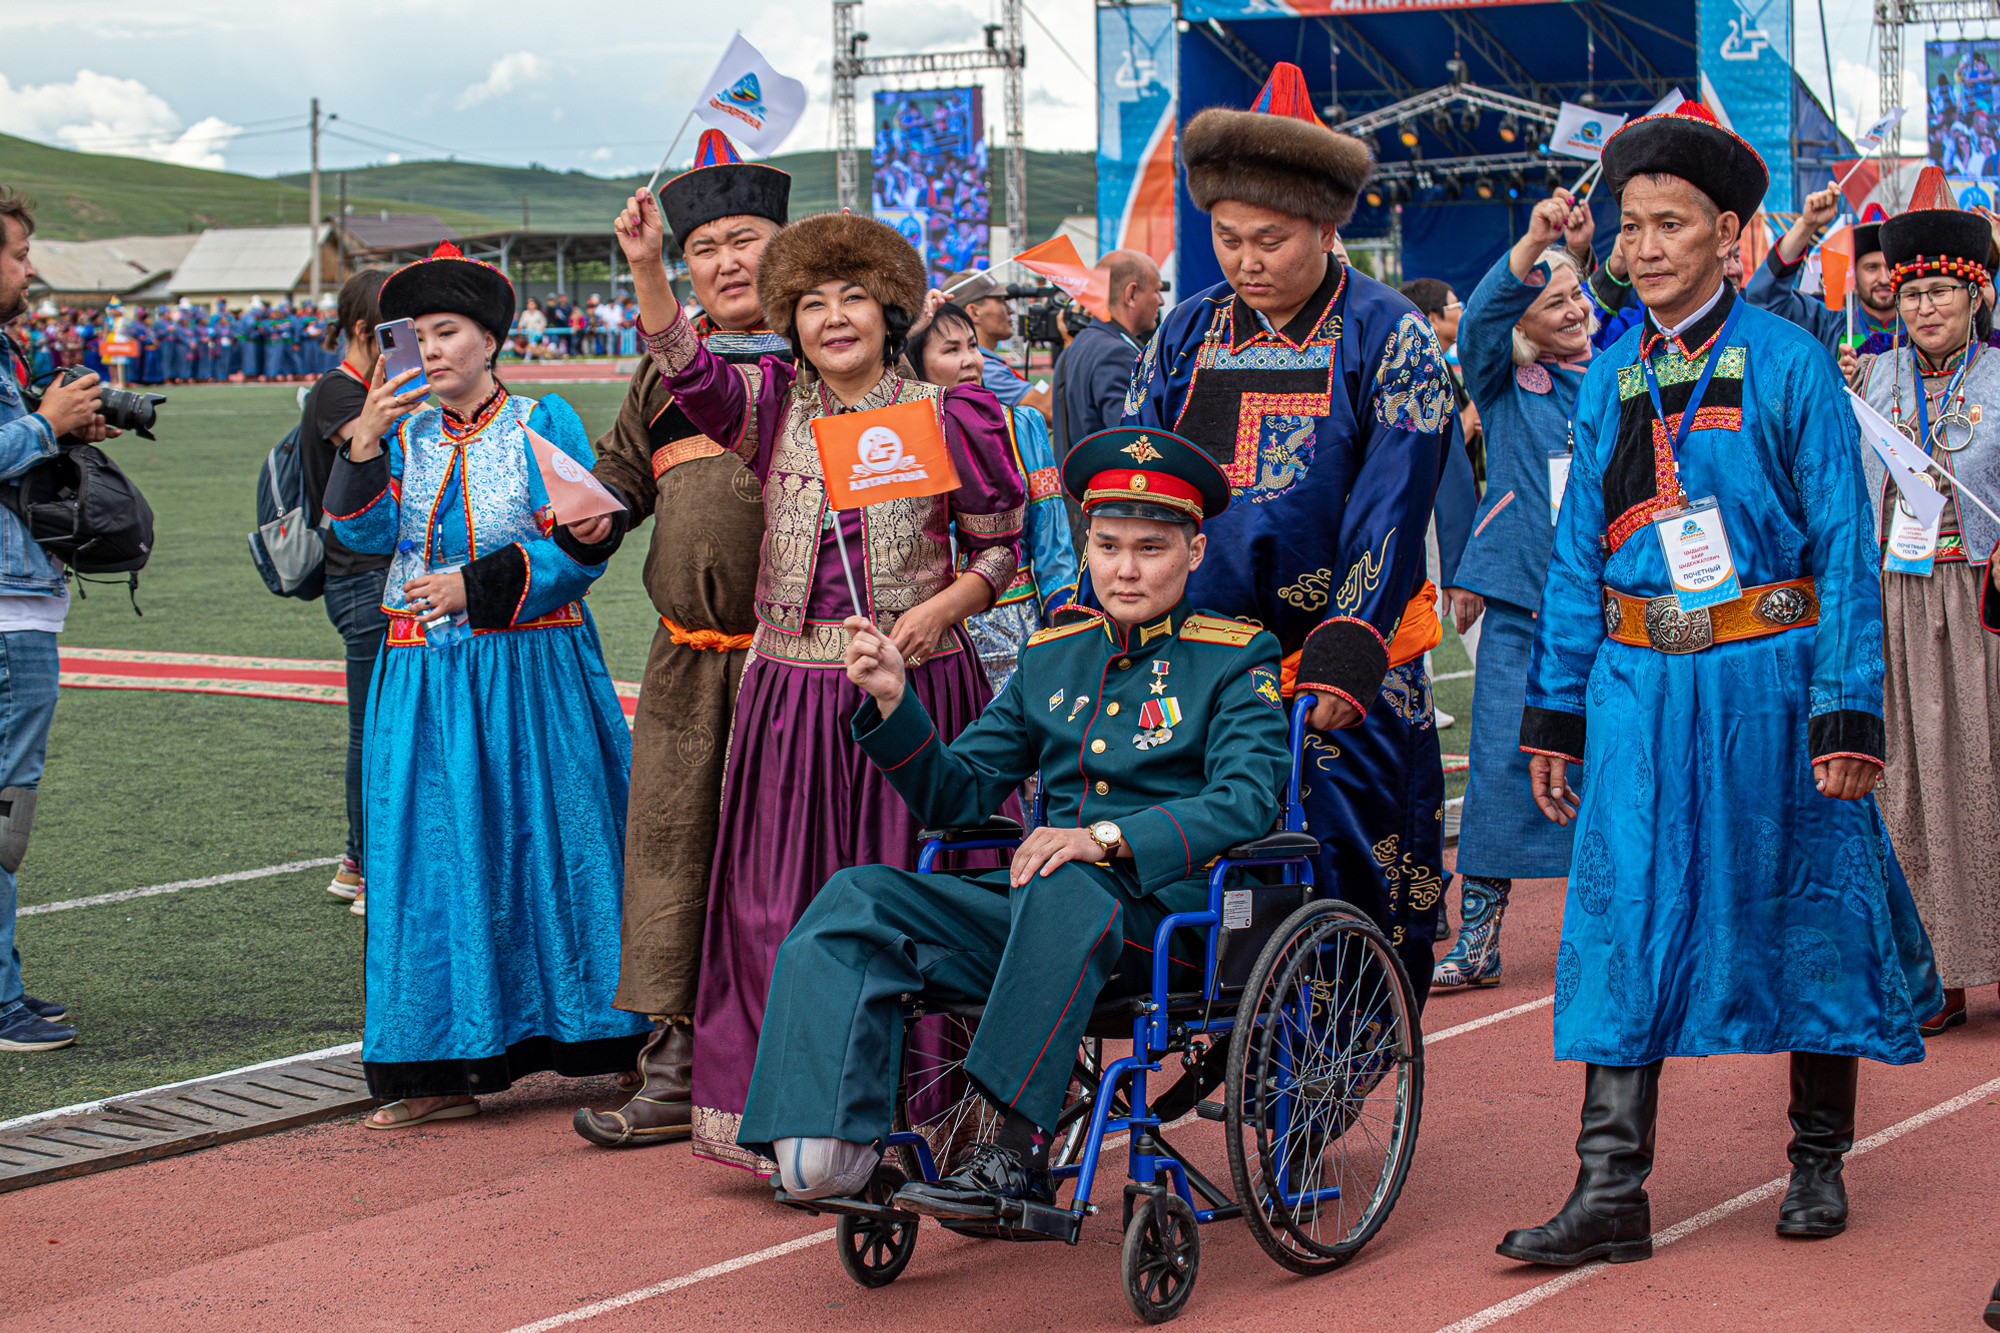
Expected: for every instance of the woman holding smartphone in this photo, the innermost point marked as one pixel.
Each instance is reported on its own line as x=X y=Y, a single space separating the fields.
x=496 y=755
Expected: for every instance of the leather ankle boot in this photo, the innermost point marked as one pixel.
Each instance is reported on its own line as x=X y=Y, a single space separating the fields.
x=1822 y=1132
x=662 y=1111
x=1608 y=1215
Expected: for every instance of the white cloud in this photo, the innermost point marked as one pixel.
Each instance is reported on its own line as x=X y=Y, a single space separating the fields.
x=601 y=155
x=509 y=73
x=393 y=158
x=96 y=113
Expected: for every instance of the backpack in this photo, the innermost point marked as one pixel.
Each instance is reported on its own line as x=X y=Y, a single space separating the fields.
x=288 y=551
x=84 y=511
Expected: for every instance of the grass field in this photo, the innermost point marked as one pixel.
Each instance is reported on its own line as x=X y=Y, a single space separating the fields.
x=152 y=788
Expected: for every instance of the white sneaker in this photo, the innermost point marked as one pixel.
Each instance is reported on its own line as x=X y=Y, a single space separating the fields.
x=824 y=1168
x=346 y=881
x=360 y=907
x=1445 y=721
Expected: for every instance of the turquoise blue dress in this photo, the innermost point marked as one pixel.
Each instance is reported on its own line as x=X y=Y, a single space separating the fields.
x=1717 y=902
x=496 y=771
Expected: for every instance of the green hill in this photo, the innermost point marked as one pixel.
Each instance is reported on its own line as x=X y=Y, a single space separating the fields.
x=87 y=196
x=1059 y=184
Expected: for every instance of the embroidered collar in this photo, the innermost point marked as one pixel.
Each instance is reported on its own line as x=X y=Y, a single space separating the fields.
x=1696 y=335
x=459 y=429
x=886 y=391
x=1931 y=369
x=1303 y=329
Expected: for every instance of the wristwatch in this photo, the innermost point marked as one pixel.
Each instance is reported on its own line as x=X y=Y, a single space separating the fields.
x=1106 y=835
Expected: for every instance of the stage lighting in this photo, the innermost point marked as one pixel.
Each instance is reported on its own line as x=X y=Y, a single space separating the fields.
x=1399 y=193
x=1374 y=195
x=1552 y=180
x=1373 y=143
x=1468 y=119
x=1407 y=132
x=1441 y=122
x=1510 y=129
x=1452 y=189
x=1483 y=187
x=1516 y=183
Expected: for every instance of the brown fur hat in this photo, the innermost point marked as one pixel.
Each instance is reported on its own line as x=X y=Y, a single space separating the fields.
x=1290 y=166
x=837 y=245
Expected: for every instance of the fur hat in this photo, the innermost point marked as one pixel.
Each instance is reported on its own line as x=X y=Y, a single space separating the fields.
x=1688 y=142
x=721 y=184
x=449 y=283
x=1936 y=241
x=837 y=245
x=1277 y=155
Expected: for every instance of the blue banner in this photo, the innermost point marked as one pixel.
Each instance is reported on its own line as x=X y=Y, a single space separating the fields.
x=1136 y=83
x=1746 y=78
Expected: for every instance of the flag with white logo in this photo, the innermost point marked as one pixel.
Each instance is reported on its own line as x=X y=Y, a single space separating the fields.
x=1870 y=139
x=1581 y=132
x=749 y=101
x=1903 y=460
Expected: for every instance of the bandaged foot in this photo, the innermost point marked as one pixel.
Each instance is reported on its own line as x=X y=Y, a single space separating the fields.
x=825 y=1168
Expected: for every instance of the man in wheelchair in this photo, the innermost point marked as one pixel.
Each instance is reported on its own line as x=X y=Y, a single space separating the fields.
x=1161 y=739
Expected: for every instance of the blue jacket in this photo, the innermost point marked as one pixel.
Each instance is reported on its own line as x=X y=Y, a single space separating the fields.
x=1526 y=411
x=26 y=438
x=1775 y=288
x=1096 y=370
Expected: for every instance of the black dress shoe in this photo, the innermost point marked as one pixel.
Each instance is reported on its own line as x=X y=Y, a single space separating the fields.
x=1822 y=1114
x=1993 y=1308
x=989 y=1175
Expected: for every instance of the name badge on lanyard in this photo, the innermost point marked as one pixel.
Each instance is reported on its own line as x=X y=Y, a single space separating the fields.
x=1694 y=540
x=1558 y=483
x=1911 y=544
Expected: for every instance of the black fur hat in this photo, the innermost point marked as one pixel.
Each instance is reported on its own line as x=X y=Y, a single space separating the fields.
x=722 y=185
x=1689 y=143
x=1867 y=239
x=1928 y=241
x=1277 y=155
x=449 y=283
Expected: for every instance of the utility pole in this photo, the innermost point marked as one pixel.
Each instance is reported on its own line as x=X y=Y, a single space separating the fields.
x=340 y=226
x=524 y=210
x=313 y=205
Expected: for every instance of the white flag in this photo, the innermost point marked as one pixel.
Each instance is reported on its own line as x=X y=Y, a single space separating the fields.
x=1903 y=459
x=1581 y=132
x=749 y=101
x=1671 y=102
x=1871 y=138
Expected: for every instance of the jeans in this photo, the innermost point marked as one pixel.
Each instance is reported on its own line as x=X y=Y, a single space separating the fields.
x=28 y=667
x=354 y=605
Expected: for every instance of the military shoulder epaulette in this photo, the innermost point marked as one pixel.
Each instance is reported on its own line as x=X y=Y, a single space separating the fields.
x=1087 y=619
x=1201 y=627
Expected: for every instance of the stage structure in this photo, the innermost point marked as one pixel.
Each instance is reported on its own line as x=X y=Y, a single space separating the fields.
x=1004 y=50
x=1891 y=17
x=1457 y=100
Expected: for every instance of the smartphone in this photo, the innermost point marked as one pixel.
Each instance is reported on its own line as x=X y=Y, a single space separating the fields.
x=400 y=352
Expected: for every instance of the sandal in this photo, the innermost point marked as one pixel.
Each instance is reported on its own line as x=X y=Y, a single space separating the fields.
x=400 y=1117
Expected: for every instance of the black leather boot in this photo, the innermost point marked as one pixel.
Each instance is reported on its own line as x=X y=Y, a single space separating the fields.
x=1607 y=1216
x=1822 y=1131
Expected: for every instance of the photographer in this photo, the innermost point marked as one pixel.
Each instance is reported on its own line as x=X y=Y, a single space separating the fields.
x=1098 y=365
x=33 y=602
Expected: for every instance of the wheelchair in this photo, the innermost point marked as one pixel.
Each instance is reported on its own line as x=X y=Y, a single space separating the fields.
x=1305 y=1020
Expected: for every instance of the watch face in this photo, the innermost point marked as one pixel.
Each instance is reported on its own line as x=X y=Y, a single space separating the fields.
x=1105 y=832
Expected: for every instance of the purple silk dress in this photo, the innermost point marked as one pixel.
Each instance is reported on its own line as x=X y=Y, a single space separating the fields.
x=799 y=798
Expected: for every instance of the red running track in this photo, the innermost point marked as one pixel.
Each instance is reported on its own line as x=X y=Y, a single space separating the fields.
x=508 y=1221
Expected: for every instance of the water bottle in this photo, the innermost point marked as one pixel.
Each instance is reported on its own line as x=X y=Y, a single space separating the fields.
x=445 y=631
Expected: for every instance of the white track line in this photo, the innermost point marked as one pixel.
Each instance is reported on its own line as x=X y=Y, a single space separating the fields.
x=1770 y=1189
x=1451 y=675
x=126 y=895
x=727 y=1266
x=85 y=1108
x=1475 y=1024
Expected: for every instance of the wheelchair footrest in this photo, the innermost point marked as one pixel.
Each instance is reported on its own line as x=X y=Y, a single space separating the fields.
x=1020 y=1220
x=846 y=1205
x=1212 y=1111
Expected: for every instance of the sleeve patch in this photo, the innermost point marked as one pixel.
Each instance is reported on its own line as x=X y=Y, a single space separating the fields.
x=1264 y=682
x=1413 y=388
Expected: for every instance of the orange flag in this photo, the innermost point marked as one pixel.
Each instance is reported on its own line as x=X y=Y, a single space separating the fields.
x=1836 y=267
x=891 y=453
x=1058 y=261
x=573 y=493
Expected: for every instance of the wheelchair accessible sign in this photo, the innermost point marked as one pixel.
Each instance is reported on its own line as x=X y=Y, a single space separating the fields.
x=1698 y=558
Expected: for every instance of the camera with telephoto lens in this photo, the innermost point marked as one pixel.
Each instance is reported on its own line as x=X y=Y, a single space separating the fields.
x=1038 y=322
x=121 y=408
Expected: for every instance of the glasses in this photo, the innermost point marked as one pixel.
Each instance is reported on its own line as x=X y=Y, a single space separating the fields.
x=1937 y=298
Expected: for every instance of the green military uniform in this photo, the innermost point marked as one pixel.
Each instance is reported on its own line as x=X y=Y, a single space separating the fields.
x=1174 y=730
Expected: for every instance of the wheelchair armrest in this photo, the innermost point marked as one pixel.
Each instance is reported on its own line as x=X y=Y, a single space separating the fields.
x=1281 y=843
x=999 y=826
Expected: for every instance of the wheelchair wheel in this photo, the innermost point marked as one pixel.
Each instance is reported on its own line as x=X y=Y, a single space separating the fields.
x=873 y=1251
x=1161 y=1257
x=1324 y=1088
x=969 y=1119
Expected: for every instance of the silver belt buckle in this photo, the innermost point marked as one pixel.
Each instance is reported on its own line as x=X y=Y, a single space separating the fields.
x=1674 y=631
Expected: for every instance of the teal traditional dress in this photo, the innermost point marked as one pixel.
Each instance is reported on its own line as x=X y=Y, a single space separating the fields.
x=496 y=769
x=1717 y=902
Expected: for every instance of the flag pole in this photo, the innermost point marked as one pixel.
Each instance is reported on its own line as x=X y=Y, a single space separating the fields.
x=669 y=155
x=840 y=540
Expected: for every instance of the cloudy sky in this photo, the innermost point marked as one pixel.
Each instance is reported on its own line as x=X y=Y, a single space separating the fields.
x=225 y=84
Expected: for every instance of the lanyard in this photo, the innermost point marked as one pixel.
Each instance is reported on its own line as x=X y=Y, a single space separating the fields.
x=1924 y=398
x=1679 y=437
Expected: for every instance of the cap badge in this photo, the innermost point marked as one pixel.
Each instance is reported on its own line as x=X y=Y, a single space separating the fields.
x=1141 y=450
x=1138 y=481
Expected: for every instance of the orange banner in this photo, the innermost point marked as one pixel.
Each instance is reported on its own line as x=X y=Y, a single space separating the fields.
x=891 y=453
x=1836 y=268
x=1058 y=261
